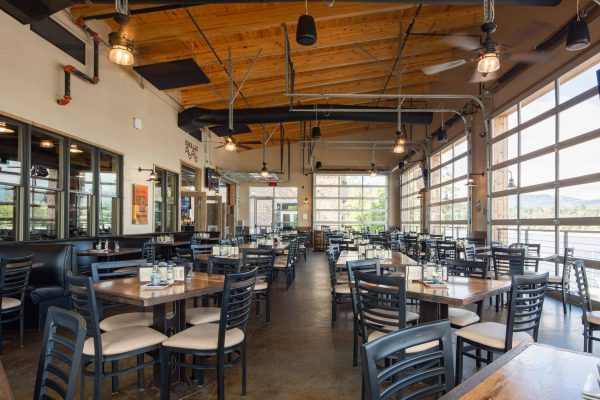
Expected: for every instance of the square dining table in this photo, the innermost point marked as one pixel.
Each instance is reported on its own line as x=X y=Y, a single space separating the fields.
x=130 y=291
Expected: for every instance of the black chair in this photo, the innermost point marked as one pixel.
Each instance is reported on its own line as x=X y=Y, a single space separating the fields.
x=470 y=253
x=183 y=252
x=562 y=283
x=224 y=266
x=340 y=292
x=590 y=318
x=110 y=347
x=287 y=264
x=60 y=352
x=532 y=254
x=446 y=250
x=421 y=377
x=507 y=263
x=197 y=250
x=149 y=251
x=14 y=278
x=368 y=266
x=412 y=248
x=524 y=314
x=109 y=270
x=262 y=261
x=461 y=317
x=225 y=341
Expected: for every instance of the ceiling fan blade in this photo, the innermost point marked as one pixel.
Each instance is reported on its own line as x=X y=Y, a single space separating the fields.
x=251 y=142
x=218 y=147
x=436 y=69
x=468 y=43
x=241 y=146
x=478 y=77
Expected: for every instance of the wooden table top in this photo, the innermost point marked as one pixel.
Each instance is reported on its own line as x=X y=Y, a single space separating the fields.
x=460 y=291
x=129 y=290
x=397 y=260
x=530 y=371
x=205 y=257
x=109 y=253
x=552 y=257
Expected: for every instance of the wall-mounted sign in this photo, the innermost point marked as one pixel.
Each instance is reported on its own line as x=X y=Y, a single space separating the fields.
x=191 y=150
x=139 y=205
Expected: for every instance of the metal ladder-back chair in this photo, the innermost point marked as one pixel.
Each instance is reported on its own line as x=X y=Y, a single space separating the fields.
x=14 y=279
x=590 y=318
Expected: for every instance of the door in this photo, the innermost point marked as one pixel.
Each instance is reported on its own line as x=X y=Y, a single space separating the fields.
x=263 y=214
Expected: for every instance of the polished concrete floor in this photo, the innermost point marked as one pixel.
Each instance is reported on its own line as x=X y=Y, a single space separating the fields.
x=295 y=356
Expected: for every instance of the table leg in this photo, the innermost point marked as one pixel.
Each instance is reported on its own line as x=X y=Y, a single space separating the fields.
x=159 y=323
x=430 y=311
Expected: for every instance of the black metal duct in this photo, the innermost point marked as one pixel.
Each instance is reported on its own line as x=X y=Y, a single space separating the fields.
x=191 y=119
x=27 y=11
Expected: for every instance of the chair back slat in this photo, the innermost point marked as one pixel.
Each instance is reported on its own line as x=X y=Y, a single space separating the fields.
x=471 y=269
x=260 y=259
x=526 y=303
x=149 y=251
x=238 y=291
x=567 y=267
x=582 y=287
x=102 y=271
x=508 y=262
x=60 y=356
x=470 y=253
x=14 y=277
x=446 y=250
x=389 y=373
x=533 y=250
x=83 y=301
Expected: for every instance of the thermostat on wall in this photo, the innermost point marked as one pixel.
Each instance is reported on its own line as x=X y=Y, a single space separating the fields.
x=137 y=124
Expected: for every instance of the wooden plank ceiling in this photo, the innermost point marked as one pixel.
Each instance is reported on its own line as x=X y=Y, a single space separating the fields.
x=336 y=63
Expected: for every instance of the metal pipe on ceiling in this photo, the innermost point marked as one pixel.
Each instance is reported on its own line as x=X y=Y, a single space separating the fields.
x=542 y=3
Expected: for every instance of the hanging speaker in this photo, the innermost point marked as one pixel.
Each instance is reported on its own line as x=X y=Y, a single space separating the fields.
x=318 y=165
x=316 y=133
x=306 y=33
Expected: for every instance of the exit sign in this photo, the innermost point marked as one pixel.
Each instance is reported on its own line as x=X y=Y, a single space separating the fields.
x=272 y=183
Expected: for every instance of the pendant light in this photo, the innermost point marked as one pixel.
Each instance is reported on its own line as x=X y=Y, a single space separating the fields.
x=264 y=172
x=46 y=144
x=74 y=149
x=5 y=129
x=306 y=31
x=511 y=181
x=442 y=134
x=373 y=170
x=400 y=143
x=121 y=47
x=578 y=36
x=316 y=130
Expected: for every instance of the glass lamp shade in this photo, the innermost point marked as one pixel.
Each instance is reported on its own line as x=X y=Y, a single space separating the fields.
x=120 y=55
x=230 y=144
x=46 y=144
x=306 y=33
x=264 y=172
x=488 y=63
x=578 y=36
x=399 y=147
x=471 y=182
x=153 y=177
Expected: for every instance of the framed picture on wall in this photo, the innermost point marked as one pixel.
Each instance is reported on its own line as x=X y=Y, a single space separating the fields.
x=139 y=206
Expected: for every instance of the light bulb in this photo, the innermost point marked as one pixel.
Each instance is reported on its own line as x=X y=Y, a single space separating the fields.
x=74 y=149
x=46 y=144
x=4 y=128
x=399 y=147
x=264 y=172
x=489 y=62
x=121 y=55
x=230 y=144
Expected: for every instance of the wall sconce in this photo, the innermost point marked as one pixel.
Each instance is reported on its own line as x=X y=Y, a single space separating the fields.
x=153 y=176
x=511 y=181
x=305 y=200
x=471 y=181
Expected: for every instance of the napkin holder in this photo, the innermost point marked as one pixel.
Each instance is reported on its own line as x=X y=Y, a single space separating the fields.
x=145 y=274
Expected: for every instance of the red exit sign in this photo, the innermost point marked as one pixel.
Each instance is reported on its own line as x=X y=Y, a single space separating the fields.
x=272 y=183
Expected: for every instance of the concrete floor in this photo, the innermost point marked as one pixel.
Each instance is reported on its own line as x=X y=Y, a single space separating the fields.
x=295 y=356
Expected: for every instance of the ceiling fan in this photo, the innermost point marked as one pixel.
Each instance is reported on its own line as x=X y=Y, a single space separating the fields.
x=231 y=144
x=489 y=51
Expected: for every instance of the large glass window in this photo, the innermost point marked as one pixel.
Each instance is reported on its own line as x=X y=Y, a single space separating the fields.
x=81 y=189
x=545 y=169
x=166 y=193
x=10 y=179
x=449 y=195
x=412 y=183
x=273 y=207
x=351 y=201
x=108 y=221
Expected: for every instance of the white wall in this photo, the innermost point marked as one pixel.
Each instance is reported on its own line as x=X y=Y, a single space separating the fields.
x=31 y=79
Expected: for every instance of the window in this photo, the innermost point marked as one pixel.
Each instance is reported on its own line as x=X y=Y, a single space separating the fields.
x=273 y=207
x=60 y=182
x=189 y=197
x=412 y=183
x=545 y=173
x=449 y=195
x=351 y=201
x=166 y=193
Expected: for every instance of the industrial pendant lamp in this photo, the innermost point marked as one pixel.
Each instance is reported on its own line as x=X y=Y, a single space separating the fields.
x=373 y=170
x=153 y=177
x=442 y=134
x=264 y=172
x=306 y=32
x=470 y=181
x=316 y=130
x=399 y=146
x=121 y=47
x=578 y=36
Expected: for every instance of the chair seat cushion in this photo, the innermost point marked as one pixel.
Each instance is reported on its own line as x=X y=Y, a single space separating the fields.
x=462 y=317
x=125 y=340
x=10 y=302
x=204 y=337
x=125 y=320
x=202 y=315
x=593 y=317
x=260 y=285
x=411 y=350
x=45 y=293
x=410 y=316
x=491 y=334
x=342 y=289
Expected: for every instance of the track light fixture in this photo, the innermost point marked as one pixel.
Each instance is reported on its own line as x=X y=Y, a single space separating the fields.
x=578 y=35
x=306 y=31
x=471 y=181
x=153 y=177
